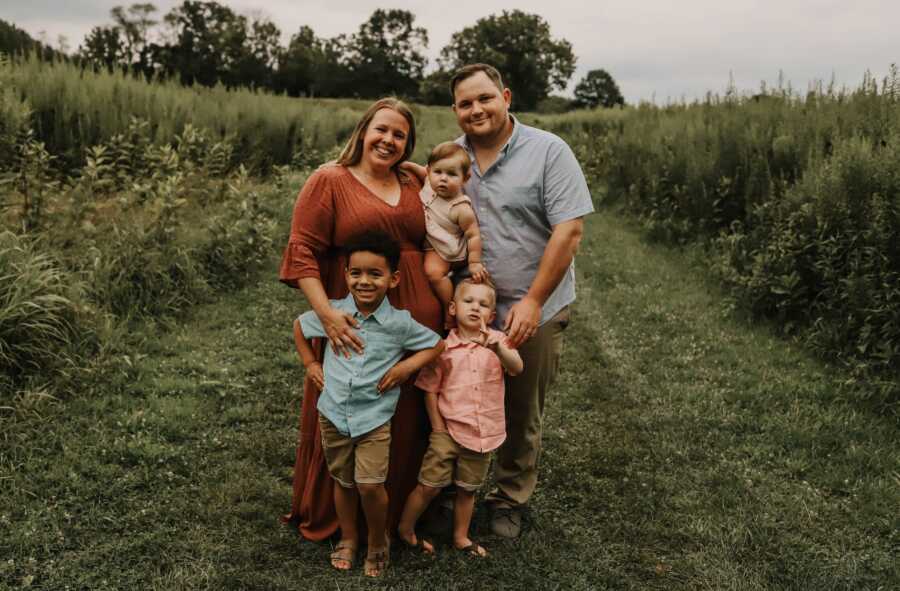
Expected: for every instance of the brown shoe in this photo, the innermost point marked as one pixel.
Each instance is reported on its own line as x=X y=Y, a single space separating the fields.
x=506 y=522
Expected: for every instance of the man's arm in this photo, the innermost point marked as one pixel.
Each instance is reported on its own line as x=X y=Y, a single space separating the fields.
x=525 y=315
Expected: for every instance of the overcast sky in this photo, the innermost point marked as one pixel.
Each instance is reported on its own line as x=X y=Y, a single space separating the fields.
x=655 y=49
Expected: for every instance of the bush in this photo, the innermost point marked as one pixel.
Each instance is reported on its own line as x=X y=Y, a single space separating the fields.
x=39 y=312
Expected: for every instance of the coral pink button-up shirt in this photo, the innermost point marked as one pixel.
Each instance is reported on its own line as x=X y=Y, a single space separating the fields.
x=468 y=380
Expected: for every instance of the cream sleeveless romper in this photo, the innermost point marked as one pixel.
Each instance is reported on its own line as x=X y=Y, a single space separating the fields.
x=445 y=237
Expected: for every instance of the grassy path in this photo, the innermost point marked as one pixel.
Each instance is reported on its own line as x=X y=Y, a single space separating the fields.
x=684 y=450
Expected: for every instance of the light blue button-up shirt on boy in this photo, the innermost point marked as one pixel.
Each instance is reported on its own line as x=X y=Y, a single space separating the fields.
x=350 y=399
x=535 y=184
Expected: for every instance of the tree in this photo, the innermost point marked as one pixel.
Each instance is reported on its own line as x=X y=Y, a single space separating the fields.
x=205 y=41
x=434 y=89
x=520 y=47
x=134 y=26
x=386 y=55
x=103 y=46
x=598 y=88
x=311 y=66
x=256 y=55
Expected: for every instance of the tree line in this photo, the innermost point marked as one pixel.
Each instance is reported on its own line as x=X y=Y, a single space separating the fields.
x=207 y=43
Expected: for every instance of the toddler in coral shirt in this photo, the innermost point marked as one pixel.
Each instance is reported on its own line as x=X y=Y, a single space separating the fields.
x=464 y=397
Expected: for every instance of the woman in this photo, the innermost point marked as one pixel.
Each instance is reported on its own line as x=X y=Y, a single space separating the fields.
x=365 y=191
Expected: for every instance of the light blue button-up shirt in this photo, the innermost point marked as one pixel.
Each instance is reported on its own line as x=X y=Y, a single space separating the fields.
x=535 y=184
x=350 y=399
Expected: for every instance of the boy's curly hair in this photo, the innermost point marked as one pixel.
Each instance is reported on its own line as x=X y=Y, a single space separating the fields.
x=377 y=243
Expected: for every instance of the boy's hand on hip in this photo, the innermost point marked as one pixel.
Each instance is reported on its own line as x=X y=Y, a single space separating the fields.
x=522 y=321
x=394 y=377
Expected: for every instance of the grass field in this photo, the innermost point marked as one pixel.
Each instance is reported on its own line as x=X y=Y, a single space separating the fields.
x=685 y=449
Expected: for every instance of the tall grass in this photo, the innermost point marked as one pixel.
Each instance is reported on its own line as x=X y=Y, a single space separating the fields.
x=38 y=312
x=798 y=196
x=75 y=109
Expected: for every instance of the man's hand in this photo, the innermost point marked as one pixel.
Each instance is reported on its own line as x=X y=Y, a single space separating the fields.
x=416 y=170
x=394 y=377
x=522 y=321
x=315 y=373
x=339 y=327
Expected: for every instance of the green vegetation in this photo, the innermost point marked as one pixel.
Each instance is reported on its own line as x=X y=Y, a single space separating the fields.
x=684 y=450
x=796 y=198
x=149 y=389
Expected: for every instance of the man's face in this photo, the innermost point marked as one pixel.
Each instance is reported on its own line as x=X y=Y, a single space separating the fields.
x=482 y=109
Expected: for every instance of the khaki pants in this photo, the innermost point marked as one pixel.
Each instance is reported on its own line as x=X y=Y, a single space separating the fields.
x=516 y=462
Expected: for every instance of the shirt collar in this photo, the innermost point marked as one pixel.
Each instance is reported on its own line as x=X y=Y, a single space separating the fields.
x=380 y=314
x=453 y=340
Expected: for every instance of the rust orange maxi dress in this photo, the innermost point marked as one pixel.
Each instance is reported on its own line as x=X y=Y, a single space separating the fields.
x=334 y=207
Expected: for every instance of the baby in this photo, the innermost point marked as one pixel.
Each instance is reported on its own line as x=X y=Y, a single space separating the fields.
x=453 y=238
x=464 y=391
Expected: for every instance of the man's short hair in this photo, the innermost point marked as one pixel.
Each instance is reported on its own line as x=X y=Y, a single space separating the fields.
x=469 y=71
x=469 y=281
x=449 y=150
x=377 y=243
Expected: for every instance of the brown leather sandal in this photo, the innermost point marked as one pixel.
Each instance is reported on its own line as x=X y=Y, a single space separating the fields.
x=343 y=552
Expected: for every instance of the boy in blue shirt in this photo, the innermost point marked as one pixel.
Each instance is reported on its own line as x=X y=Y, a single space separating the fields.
x=360 y=393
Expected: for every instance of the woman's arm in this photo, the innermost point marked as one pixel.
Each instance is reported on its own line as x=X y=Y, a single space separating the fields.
x=311 y=236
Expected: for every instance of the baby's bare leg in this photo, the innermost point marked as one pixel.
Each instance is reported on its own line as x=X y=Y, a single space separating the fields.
x=436 y=270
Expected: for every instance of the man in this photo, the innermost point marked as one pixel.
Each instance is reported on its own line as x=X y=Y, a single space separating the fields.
x=530 y=196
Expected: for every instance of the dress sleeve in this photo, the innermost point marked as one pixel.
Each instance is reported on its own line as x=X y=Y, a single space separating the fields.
x=312 y=229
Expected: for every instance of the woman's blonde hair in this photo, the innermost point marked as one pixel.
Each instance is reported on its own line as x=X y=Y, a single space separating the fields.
x=352 y=152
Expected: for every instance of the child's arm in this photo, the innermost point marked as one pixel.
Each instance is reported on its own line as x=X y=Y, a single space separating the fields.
x=308 y=357
x=403 y=369
x=509 y=357
x=468 y=223
x=412 y=168
x=434 y=415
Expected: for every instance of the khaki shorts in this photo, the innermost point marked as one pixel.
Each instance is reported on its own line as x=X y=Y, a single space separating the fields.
x=447 y=461
x=352 y=460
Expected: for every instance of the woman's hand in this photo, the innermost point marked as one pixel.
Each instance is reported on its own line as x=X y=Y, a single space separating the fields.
x=339 y=327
